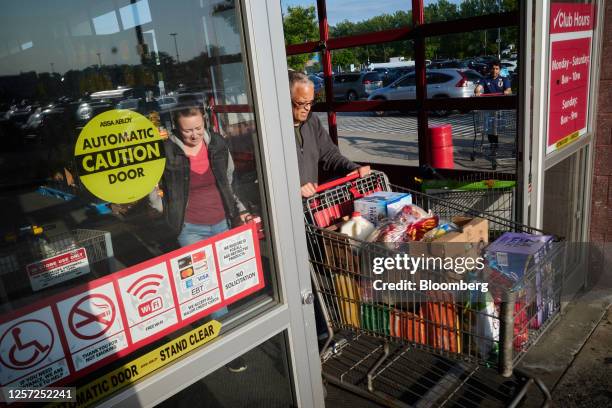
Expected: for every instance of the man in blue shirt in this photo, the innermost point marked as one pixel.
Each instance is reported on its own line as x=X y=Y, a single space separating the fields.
x=494 y=84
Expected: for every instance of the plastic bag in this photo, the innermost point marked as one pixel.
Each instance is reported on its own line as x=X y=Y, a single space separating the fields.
x=410 y=224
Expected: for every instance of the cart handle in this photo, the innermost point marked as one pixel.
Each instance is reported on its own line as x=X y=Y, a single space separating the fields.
x=491 y=94
x=337 y=182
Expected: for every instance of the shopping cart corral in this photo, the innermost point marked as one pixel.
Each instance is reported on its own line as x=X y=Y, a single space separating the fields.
x=420 y=347
x=500 y=125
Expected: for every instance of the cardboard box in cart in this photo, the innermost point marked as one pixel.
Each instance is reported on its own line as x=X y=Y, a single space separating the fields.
x=516 y=254
x=467 y=243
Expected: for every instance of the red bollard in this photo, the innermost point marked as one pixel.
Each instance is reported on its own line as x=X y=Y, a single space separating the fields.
x=441 y=147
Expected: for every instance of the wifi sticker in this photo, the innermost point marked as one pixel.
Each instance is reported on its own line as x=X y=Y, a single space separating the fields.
x=148 y=301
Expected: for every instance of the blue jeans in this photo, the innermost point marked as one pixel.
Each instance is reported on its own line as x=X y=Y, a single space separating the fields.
x=192 y=233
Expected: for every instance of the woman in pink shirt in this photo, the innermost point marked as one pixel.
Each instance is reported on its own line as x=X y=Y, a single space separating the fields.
x=198 y=201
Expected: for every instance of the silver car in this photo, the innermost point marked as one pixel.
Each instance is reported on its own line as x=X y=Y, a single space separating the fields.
x=441 y=83
x=354 y=86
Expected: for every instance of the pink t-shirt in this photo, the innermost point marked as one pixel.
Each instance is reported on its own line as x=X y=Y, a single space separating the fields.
x=204 y=206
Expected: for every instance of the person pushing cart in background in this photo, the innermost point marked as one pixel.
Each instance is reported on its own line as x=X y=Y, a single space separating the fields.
x=498 y=85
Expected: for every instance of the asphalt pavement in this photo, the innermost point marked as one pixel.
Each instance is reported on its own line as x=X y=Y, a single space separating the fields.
x=392 y=139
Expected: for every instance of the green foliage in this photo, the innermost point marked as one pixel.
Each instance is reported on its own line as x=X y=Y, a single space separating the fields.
x=300 y=26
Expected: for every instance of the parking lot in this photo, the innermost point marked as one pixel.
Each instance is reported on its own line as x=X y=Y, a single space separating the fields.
x=392 y=139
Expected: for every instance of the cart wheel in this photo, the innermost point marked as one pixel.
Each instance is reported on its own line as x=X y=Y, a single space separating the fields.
x=472 y=156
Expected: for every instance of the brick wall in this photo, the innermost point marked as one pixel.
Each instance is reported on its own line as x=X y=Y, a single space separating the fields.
x=601 y=205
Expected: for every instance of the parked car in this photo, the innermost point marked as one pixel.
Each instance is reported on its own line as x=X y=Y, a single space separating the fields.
x=167 y=102
x=89 y=109
x=441 y=83
x=509 y=65
x=318 y=82
x=480 y=67
x=130 y=104
x=449 y=64
x=354 y=86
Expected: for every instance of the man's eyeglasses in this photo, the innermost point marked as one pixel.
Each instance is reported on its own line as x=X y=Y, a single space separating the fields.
x=302 y=105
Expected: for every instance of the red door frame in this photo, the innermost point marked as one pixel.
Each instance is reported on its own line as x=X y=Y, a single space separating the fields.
x=419 y=32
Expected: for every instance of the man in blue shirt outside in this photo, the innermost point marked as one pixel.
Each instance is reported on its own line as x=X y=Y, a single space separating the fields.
x=494 y=84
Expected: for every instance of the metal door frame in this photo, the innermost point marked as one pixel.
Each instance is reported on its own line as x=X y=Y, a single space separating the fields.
x=535 y=152
x=267 y=70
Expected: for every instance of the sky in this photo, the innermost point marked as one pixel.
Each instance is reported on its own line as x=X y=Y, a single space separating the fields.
x=357 y=10
x=73 y=34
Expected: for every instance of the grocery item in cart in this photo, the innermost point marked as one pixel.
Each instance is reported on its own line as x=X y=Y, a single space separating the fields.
x=466 y=242
x=407 y=326
x=357 y=227
x=481 y=323
x=340 y=252
x=442 y=322
x=375 y=317
x=512 y=256
x=382 y=205
x=348 y=293
x=410 y=214
x=515 y=252
x=410 y=224
x=443 y=228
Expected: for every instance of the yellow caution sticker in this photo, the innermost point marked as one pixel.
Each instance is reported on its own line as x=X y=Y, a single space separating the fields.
x=567 y=139
x=130 y=372
x=119 y=156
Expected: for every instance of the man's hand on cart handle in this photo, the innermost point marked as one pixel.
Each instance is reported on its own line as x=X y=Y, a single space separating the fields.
x=309 y=189
x=362 y=171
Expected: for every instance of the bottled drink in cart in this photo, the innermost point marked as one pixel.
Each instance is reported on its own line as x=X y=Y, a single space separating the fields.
x=357 y=227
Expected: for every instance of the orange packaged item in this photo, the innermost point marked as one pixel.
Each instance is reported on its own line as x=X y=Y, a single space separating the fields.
x=442 y=319
x=417 y=230
x=408 y=326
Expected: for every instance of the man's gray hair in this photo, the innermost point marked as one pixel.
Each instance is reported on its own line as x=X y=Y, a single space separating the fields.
x=298 y=78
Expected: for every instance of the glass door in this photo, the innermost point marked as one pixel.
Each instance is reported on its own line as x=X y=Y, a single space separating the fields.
x=151 y=234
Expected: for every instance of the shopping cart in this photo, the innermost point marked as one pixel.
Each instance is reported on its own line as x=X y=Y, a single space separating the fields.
x=16 y=256
x=422 y=348
x=501 y=125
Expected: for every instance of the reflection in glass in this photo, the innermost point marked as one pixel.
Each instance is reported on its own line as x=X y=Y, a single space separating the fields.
x=265 y=383
x=63 y=63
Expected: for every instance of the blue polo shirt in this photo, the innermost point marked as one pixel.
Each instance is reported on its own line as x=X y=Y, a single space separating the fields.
x=497 y=85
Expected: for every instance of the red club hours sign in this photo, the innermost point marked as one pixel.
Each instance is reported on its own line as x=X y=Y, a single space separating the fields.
x=571 y=32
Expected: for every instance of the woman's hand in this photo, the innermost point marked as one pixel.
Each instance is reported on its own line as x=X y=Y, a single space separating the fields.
x=245 y=217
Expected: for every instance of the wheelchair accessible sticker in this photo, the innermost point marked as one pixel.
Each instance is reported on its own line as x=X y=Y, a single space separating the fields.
x=119 y=156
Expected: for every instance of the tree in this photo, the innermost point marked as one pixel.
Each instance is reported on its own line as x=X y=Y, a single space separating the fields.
x=344 y=58
x=463 y=45
x=300 y=26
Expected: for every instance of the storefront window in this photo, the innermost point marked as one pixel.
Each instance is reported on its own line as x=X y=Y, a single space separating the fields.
x=132 y=208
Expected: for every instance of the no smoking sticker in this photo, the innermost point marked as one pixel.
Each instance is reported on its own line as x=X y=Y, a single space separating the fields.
x=93 y=325
x=119 y=156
